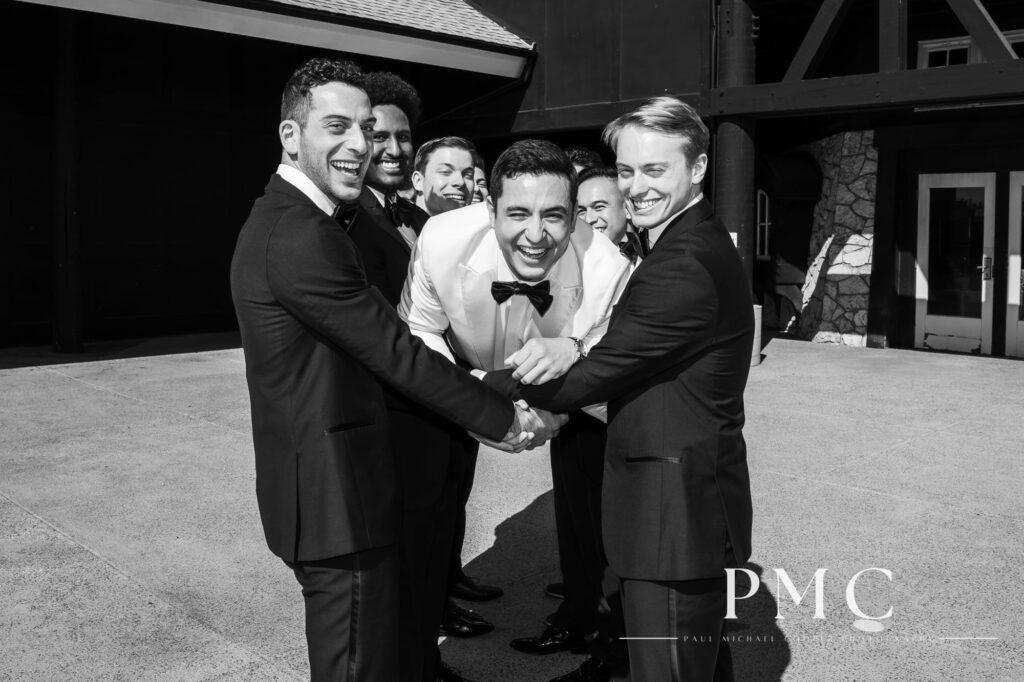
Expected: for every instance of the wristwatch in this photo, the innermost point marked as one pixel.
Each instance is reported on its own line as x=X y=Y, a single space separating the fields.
x=581 y=348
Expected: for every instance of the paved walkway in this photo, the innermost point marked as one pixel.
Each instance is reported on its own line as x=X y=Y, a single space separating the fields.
x=130 y=546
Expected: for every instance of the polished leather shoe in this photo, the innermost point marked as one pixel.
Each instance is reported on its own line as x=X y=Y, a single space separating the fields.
x=556 y=590
x=592 y=670
x=459 y=622
x=469 y=589
x=551 y=640
x=445 y=673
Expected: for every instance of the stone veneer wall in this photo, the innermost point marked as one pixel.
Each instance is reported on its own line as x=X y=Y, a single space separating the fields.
x=835 y=293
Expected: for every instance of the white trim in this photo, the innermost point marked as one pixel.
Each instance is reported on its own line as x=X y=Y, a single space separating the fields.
x=974 y=55
x=300 y=31
x=1014 y=326
x=962 y=334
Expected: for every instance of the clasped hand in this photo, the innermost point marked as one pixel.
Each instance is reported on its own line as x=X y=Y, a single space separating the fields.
x=532 y=427
x=541 y=360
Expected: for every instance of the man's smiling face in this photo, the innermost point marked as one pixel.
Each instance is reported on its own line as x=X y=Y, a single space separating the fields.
x=392 y=149
x=532 y=220
x=332 y=148
x=600 y=204
x=655 y=176
x=446 y=182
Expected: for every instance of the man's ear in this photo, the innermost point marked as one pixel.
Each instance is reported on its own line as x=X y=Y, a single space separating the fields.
x=489 y=200
x=417 y=181
x=700 y=167
x=289 y=131
x=572 y=217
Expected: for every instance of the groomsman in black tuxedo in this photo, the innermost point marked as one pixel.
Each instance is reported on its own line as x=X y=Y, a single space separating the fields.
x=673 y=366
x=387 y=224
x=319 y=343
x=430 y=451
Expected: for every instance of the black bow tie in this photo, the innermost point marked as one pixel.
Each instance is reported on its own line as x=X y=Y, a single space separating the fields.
x=394 y=212
x=345 y=214
x=539 y=293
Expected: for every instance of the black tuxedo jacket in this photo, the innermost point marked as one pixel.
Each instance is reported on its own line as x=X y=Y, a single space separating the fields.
x=673 y=367
x=423 y=444
x=384 y=251
x=317 y=338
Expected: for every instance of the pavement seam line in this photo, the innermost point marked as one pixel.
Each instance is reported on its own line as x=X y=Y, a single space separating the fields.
x=177 y=608
x=147 y=403
x=867 y=455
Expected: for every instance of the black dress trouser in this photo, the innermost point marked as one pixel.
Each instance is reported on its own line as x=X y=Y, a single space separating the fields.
x=351 y=604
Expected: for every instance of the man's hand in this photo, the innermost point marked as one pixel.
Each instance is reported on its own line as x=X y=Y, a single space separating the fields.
x=542 y=423
x=541 y=360
x=519 y=436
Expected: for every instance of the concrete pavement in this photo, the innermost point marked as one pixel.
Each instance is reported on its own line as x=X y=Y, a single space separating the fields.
x=131 y=549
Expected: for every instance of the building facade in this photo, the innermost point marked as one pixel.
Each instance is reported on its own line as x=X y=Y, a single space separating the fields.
x=868 y=154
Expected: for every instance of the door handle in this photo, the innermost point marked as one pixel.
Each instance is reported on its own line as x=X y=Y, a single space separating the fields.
x=986 y=268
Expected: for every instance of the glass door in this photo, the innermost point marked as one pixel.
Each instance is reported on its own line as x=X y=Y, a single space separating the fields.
x=955 y=242
x=1015 y=283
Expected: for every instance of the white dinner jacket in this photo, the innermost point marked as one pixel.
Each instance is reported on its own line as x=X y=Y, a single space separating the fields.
x=448 y=289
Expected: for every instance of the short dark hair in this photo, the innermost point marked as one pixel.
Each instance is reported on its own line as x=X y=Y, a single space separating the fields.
x=597 y=172
x=384 y=87
x=531 y=157
x=296 y=100
x=427 y=148
x=666 y=116
x=581 y=156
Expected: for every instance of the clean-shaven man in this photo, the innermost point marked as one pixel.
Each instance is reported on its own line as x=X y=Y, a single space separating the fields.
x=673 y=367
x=518 y=272
x=318 y=344
x=443 y=174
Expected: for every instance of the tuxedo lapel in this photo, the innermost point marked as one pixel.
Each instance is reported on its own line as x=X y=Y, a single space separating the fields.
x=686 y=221
x=368 y=202
x=566 y=289
x=479 y=309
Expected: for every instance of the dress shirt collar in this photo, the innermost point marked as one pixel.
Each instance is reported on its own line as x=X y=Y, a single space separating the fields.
x=654 y=233
x=301 y=182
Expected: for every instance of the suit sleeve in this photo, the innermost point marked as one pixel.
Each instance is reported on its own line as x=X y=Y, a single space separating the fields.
x=420 y=306
x=668 y=320
x=314 y=271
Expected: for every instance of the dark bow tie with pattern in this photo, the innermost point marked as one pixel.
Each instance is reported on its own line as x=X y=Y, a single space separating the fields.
x=399 y=211
x=539 y=294
x=635 y=244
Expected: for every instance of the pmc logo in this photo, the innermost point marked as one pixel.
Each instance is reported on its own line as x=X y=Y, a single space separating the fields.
x=866 y=622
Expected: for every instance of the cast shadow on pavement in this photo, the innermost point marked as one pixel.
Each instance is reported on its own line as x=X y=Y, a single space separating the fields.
x=524 y=559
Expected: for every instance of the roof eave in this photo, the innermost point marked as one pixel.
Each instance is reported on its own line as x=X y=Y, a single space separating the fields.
x=262 y=19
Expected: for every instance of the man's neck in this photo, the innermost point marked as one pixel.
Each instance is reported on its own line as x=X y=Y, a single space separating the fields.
x=295 y=177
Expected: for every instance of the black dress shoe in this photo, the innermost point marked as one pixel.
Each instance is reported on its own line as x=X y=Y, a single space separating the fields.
x=460 y=622
x=592 y=670
x=556 y=590
x=445 y=673
x=551 y=640
x=469 y=589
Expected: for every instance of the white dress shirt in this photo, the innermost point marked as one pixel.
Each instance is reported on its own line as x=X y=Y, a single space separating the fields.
x=293 y=176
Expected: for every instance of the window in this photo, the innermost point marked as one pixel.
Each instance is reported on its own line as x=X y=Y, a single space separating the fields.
x=932 y=54
x=764 y=226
